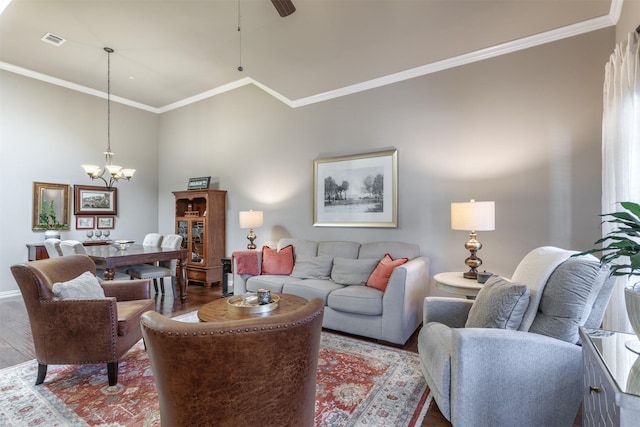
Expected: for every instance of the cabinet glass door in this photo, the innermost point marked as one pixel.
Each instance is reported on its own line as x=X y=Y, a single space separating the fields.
x=198 y=247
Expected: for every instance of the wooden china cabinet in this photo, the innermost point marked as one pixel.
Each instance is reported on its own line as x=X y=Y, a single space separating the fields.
x=200 y=220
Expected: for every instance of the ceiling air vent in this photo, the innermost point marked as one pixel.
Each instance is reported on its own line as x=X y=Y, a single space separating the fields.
x=52 y=39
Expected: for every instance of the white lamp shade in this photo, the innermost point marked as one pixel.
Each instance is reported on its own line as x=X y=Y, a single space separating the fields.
x=250 y=219
x=473 y=216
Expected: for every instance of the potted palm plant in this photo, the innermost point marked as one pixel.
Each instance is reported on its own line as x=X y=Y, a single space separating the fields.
x=48 y=221
x=620 y=249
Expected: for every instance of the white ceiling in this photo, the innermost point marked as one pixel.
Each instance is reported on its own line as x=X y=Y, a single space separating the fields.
x=183 y=50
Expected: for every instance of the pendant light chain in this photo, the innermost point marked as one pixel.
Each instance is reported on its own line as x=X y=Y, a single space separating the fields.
x=240 y=68
x=109 y=52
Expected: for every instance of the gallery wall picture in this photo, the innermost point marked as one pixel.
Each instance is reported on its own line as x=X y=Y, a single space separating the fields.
x=89 y=200
x=106 y=222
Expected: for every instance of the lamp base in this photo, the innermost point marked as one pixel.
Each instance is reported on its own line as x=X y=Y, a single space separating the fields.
x=471 y=274
x=251 y=238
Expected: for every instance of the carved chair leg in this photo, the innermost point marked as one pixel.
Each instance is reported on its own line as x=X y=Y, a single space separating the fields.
x=42 y=372
x=112 y=373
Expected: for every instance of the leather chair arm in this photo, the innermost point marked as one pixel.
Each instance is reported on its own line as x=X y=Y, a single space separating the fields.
x=127 y=290
x=77 y=329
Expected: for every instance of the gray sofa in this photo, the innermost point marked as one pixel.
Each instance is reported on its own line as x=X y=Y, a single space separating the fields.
x=392 y=315
x=529 y=373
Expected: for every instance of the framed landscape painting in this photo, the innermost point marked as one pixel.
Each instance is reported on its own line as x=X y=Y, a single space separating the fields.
x=356 y=191
x=89 y=200
x=85 y=222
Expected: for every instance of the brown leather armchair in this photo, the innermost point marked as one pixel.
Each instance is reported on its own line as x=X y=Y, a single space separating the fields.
x=251 y=372
x=80 y=331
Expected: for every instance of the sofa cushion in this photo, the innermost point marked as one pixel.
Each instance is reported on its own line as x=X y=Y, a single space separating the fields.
x=310 y=288
x=395 y=249
x=347 y=271
x=300 y=246
x=339 y=249
x=312 y=267
x=357 y=299
x=380 y=276
x=499 y=304
x=84 y=286
x=568 y=298
x=277 y=262
x=272 y=282
x=129 y=313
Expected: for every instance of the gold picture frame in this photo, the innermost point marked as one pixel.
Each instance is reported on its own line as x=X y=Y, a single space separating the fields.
x=60 y=195
x=357 y=190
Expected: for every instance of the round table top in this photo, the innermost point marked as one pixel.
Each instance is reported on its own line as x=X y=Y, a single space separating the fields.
x=218 y=310
x=455 y=283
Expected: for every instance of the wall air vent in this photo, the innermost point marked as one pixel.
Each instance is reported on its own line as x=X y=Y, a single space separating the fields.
x=52 y=39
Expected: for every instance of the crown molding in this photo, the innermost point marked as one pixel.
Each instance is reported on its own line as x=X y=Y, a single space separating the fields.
x=501 y=49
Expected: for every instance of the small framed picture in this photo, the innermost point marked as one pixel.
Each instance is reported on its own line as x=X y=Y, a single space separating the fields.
x=106 y=222
x=85 y=222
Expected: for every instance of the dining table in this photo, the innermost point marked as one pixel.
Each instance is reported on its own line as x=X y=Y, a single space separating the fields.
x=109 y=257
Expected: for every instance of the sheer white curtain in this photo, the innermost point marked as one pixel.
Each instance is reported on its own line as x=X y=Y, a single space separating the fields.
x=620 y=151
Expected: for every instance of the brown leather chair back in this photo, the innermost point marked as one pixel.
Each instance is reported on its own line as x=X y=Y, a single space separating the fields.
x=36 y=279
x=252 y=372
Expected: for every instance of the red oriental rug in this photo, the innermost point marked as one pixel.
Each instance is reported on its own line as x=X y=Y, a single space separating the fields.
x=359 y=384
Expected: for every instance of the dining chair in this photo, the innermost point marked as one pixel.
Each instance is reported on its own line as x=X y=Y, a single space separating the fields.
x=74 y=247
x=53 y=247
x=163 y=269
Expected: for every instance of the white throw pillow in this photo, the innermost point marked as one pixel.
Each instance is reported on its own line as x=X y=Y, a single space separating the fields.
x=84 y=286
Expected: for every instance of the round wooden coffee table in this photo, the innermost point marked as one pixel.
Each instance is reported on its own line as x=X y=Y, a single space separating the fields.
x=218 y=310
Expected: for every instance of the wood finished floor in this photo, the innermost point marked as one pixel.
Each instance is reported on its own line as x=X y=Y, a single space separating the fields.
x=16 y=345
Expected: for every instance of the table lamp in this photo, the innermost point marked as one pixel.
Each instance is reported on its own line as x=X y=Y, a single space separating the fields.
x=473 y=216
x=251 y=220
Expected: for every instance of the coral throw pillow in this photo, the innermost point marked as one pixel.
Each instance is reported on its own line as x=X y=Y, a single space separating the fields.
x=277 y=262
x=380 y=276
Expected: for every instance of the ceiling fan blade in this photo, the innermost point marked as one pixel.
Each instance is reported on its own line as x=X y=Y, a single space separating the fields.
x=284 y=7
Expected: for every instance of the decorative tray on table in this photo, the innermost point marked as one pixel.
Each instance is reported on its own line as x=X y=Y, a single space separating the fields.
x=249 y=304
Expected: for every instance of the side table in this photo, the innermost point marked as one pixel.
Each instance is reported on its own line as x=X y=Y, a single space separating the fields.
x=454 y=283
x=611 y=393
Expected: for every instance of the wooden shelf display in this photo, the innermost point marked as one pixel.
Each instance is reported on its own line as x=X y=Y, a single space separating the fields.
x=200 y=220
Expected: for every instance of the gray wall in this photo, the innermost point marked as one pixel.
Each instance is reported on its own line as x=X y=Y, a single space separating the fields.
x=46 y=133
x=522 y=129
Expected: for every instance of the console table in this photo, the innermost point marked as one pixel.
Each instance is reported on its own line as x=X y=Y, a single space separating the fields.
x=611 y=394
x=37 y=251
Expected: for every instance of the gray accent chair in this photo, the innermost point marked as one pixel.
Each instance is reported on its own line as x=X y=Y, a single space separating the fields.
x=526 y=377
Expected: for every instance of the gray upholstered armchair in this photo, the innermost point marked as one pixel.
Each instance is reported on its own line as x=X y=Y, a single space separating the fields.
x=529 y=375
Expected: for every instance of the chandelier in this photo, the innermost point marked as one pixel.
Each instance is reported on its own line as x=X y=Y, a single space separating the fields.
x=115 y=173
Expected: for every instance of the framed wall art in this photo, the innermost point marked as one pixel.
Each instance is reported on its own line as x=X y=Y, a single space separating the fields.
x=47 y=198
x=89 y=200
x=106 y=222
x=85 y=222
x=357 y=190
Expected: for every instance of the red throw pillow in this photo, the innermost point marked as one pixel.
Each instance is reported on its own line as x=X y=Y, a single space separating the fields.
x=277 y=262
x=380 y=276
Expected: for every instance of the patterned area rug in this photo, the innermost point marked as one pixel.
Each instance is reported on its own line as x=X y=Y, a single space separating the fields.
x=359 y=384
